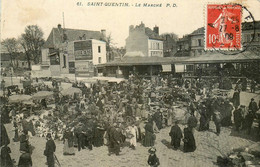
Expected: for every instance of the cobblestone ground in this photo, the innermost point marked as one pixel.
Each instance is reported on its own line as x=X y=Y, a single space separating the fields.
x=209 y=146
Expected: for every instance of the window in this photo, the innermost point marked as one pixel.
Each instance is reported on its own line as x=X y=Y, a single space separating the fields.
x=64 y=61
x=189 y=68
x=258 y=37
x=99 y=49
x=199 y=42
x=55 y=60
x=99 y=59
x=193 y=42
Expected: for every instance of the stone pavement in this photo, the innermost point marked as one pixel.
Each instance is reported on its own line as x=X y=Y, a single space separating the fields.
x=209 y=146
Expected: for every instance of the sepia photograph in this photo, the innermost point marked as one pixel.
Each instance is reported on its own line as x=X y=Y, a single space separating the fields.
x=130 y=83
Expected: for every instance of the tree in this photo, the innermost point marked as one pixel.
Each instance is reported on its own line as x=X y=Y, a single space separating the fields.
x=109 y=48
x=11 y=46
x=32 y=41
x=172 y=35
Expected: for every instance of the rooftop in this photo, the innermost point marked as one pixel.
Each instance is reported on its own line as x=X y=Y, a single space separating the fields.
x=59 y=35
x=209 y=57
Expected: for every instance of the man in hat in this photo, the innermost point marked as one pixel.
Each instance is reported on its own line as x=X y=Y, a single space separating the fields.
x=114 y=140
x=24 y=141
x=253 y=106
x=244 y=112
x=204 y=119
x=153 y=160
x=238 y=118
x=236 y=98
x=49 y=150
x=249 y=119
x=6 y=160
x=44 y=103
x=158 y=117
x=79 y=133
x=98 y=135
x=176 y=135
x=226 y=113
x=252 y=86
x=217 y=121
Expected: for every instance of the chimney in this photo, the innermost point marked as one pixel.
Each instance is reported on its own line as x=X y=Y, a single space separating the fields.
x=131 y=28
x=167 y=37
x=142 y=24
x=103 y=32
x=59 y=26
x=156 y=30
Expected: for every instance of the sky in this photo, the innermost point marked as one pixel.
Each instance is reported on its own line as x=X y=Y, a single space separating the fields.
x=183 y=19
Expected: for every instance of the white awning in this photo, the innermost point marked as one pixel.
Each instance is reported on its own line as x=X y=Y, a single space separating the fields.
x=179 y=68
x=167 y=68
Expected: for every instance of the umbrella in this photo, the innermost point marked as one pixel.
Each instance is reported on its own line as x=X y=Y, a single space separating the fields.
x=42 y=94
x=71 y=91
x=28 y=102
x=19 y=98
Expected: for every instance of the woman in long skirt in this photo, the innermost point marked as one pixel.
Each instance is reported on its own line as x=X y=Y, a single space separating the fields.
x=149 y=137
x=68 y=143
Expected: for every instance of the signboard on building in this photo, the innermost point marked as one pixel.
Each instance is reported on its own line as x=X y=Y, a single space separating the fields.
x=83 y=50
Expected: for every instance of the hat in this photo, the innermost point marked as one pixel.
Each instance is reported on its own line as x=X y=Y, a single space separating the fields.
x=25 y=131
x=242 y=106
x=48 y=135
x=115 y=124
x=152 y=150
x=176 y=121
x=252 y=99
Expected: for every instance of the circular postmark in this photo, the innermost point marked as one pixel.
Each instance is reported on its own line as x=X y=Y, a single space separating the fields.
x=230 y=30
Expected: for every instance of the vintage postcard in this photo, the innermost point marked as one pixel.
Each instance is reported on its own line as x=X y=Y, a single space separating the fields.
x=122 y=83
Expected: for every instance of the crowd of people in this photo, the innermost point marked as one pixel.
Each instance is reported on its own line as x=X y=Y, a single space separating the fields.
x=123 y=114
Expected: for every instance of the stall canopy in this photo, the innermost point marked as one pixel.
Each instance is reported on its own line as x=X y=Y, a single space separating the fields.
x=167 y=68
x=70 y=91
x=207 y=57
x=42 y=95
x=179 y=68
x=19 y=98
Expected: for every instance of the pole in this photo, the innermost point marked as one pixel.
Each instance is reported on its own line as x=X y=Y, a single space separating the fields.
x=75 y=76
x=11 y=79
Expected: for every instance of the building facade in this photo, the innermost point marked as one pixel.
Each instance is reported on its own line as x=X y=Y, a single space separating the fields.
x=144 y=42
x=169 y=45
x=190 y=60
x=193 y=44
x=70 y=52
x=84 y=55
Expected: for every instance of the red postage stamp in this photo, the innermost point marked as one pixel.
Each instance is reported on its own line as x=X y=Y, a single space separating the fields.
x=223 y=27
